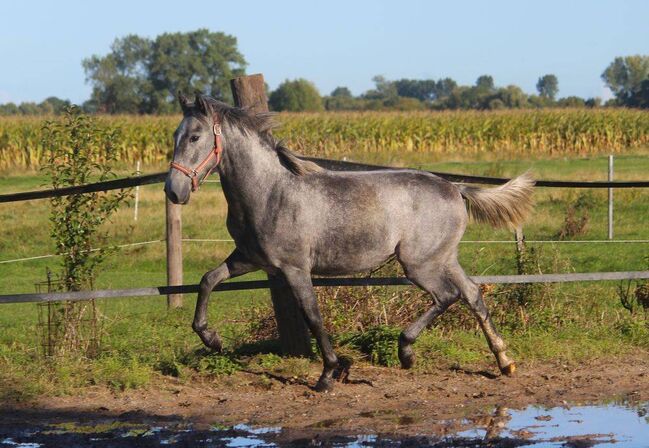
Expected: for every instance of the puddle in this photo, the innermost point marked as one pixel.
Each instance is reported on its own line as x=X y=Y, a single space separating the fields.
x=579 y=426
x=583 y=426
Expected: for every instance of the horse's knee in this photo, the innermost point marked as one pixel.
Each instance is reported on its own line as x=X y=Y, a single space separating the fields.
x=205 y=284
x=210 y=280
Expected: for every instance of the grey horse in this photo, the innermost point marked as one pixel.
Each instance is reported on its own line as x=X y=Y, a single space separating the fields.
x=292 y=218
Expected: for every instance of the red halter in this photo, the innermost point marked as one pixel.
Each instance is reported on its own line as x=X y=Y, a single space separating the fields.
x=216 y=151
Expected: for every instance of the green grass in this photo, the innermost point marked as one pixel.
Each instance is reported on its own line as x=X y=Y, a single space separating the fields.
x=141 y=339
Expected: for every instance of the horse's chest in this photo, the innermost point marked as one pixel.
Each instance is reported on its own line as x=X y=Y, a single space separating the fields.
x=246 y=237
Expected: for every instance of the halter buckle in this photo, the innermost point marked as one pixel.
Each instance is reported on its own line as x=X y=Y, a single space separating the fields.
x=216 y=129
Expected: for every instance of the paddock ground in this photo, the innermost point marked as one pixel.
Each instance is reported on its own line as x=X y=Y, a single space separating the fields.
x=386 y=401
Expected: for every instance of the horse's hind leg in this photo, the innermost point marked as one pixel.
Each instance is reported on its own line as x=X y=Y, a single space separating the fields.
x=473 y=297
x=444 y=294
x=233 y=266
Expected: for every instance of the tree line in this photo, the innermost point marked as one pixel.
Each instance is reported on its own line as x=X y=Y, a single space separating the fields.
x=141 y=76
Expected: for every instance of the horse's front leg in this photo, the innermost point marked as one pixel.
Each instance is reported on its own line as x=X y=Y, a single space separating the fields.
x=302 y=287
x=236 y=264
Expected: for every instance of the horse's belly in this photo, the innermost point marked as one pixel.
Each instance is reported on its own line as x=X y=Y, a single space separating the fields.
x=348 y=259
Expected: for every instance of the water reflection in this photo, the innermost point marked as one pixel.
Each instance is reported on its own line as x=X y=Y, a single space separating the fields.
x=620 y=425
x=623 y=426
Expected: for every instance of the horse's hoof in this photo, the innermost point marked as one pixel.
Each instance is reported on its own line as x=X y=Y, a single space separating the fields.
x=509 y=369
x=407 y=357
x=212 y=341
x=324 y=385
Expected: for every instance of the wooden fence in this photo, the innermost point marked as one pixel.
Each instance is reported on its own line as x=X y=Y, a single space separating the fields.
x=249 y=92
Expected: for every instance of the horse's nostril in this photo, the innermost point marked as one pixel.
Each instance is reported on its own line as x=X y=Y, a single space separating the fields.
x=173 y=197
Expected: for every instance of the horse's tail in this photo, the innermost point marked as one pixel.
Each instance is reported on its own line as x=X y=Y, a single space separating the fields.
x=505 y=205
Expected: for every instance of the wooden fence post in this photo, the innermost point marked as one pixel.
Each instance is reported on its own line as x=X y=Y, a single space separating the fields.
x=610 y=198
x=174 y=252
x=250 y=92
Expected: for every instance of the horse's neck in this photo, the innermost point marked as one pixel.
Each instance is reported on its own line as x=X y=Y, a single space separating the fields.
x=248 y=174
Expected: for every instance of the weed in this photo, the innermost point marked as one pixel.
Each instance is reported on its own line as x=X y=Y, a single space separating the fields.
x=121 y=373
x=634 y=330
x=577 y=217
x=170 y=367
x=379 y=343
x=217 y=365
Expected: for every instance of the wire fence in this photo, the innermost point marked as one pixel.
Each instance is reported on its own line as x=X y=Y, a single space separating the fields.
x=333 y=165
x=226 y=240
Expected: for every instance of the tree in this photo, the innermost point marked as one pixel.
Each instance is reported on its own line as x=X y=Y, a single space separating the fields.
x=195 y=61
x=625 y=75
x=79 y=149
x=593 y=102
x=444 y=87
x=571 y=101
x=120 y=79
x=384 y=90
x=29 y=108
x=548 y=86
x=512 y=96
x=9 y=109
x=422 y=89
x=56 y=105
x=485 y=83
x=294 y=96
x=141 y=75
x=642 y=95
x=341 y=92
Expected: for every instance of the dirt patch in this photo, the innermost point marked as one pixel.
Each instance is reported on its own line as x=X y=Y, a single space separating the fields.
x=376 y=400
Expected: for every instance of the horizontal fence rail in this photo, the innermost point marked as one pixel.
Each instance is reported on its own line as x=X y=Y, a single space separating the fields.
x=115 y=184
x=334 y=165
x=262 y=284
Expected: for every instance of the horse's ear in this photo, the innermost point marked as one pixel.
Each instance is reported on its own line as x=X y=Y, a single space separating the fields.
x=203 y=105
x=184 y=102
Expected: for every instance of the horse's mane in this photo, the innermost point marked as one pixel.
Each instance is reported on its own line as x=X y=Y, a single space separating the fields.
x=261 y=124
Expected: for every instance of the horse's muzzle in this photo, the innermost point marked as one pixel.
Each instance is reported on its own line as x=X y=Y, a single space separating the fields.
x=177 y=188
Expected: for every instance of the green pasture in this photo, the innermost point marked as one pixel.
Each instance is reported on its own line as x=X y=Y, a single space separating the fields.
x=142 y=340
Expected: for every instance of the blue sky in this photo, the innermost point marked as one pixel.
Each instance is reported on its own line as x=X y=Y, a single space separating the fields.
x=335 y=42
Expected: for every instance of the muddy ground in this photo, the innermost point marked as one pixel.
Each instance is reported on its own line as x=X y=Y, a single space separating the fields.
x=375 y=400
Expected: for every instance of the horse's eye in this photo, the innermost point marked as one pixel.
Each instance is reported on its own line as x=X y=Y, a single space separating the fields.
x=193 y=138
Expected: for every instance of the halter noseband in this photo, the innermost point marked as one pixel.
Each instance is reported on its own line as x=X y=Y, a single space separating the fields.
x=216 y=151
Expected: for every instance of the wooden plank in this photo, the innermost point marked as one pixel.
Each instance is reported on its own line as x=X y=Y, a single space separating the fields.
x=250 y=92
x=174 y=251
x=336 y=165
x=340 y=165
x=115 y=184
x=318 y=282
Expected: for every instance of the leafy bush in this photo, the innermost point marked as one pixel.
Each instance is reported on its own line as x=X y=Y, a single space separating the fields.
x=80 y=151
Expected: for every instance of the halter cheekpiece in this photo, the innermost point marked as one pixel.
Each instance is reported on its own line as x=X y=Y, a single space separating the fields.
x=215 y=152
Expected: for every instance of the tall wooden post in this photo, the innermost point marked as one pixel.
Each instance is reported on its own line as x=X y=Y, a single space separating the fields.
x=250 y=92
x=610 y=198
x=174 y=252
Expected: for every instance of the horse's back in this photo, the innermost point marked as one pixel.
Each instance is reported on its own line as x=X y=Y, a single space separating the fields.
x=359 y=219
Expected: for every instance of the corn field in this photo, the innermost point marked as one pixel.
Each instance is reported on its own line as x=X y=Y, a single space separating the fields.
x=476 y=134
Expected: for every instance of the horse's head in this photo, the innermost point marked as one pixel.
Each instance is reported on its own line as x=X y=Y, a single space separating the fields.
x=197 y=148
